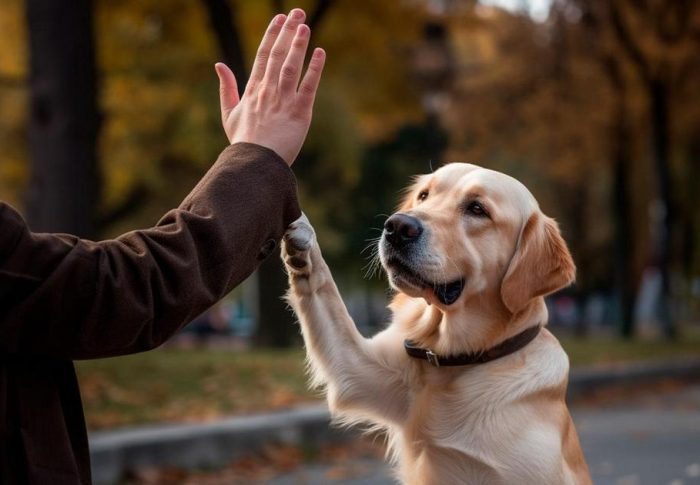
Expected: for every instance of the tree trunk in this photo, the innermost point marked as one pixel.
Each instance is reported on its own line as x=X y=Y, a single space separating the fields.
x=624 y=237
x=223 y=21
x=576 y=215
x=624 y=252
x=64 y=118
x=318 y=13
x=690 y=258
x=275 y=324
x=278 y=6
x=663 y=224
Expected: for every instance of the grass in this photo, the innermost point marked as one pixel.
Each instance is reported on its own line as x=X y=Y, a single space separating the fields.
x=172 y=385
x=190 y=385
x=583 y=352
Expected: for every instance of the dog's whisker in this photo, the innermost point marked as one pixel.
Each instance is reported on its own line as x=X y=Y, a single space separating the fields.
x=373 y=265
x=377 y=267
x=370 y=246
x=373 y=247
x=369 y=267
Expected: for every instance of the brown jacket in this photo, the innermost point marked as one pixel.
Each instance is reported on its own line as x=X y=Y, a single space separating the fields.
x=63 y=298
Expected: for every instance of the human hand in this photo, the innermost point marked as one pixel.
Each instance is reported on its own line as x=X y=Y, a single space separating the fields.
x=275 y=110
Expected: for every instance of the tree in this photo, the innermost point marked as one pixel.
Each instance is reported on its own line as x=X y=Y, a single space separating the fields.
x=566 y=100
x=590 y=43
x=660 y=67
x=658 y=42
x=224 y=22
x=523 y=104
x=64 y=118
x=275 y=322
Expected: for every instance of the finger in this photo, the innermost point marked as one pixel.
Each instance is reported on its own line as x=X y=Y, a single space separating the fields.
x=279 y=51
x=293 y=65
x=266 y=44
x=228 y=89
x=309 y=85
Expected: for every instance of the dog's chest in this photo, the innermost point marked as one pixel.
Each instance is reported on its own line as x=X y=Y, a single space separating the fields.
x=477 y=422
x=450 y=408
x=479 y=413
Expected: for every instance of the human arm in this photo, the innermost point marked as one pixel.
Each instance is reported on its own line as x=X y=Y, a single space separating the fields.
x=69 y=298
x=66 y=297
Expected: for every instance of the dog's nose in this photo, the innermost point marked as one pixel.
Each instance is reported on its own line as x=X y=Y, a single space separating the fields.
x=400 y=229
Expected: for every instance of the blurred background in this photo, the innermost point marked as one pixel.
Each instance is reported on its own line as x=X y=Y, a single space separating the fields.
x=110 y=116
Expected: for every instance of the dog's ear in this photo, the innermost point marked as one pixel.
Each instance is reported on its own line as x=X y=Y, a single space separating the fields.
x=541 y=264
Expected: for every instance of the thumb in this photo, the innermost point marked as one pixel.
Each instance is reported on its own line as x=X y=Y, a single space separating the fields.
x=228 y=89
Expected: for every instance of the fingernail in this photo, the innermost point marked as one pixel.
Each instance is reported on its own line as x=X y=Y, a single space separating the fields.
x=279 y=19
x=303 y=30
x=297 y=14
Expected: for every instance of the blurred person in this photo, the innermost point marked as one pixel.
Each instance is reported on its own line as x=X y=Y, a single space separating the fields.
x=64 y=298
x=210 y=327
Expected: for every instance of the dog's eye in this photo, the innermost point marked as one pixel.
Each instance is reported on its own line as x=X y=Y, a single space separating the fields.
x=475 y=208
x=423 y=195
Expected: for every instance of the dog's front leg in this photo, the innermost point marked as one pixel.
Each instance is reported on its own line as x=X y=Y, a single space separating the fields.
x=356 y=374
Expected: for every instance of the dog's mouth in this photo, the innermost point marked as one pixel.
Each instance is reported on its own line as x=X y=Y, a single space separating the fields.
x=446 y=293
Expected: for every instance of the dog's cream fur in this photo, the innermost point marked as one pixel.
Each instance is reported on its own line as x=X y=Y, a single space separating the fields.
x=502 y=422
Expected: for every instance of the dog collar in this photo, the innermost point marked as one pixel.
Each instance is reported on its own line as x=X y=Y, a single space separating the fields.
x=507 y=347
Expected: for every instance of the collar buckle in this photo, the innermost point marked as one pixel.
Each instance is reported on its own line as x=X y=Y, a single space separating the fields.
x=432 y=357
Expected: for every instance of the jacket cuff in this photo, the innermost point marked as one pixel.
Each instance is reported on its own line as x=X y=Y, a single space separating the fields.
x=260 y=158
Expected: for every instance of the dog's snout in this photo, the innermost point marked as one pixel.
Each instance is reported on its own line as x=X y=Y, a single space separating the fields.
x=400 y=229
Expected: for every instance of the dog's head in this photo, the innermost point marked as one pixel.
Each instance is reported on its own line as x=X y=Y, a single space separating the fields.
x=464 y=232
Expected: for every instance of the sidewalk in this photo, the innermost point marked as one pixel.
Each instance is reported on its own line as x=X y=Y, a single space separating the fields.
x=213 y=444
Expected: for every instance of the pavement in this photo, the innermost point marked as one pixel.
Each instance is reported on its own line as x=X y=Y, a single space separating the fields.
x=650 y=438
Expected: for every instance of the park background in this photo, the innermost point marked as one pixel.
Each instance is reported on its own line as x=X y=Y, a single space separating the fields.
x=110 y=116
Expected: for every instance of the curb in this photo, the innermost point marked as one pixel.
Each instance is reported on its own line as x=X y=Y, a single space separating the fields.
x=206 y=445
x=588 y=379
x=214 y=444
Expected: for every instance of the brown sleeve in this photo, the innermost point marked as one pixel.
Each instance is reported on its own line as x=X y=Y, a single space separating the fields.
x=70 y=298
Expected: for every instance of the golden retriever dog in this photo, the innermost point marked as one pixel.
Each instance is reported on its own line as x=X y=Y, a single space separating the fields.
x=465 y=381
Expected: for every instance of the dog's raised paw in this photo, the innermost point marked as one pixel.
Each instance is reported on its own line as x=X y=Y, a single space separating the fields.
x=297 y=242
x=299 y=236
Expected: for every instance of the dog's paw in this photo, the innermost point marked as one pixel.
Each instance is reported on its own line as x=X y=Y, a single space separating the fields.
x=297 y=244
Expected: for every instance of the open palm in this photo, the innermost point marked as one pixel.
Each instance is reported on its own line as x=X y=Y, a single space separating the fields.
x=275 y=110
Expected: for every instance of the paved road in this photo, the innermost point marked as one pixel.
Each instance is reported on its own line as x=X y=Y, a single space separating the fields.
x=649 y=440
x=654 y=440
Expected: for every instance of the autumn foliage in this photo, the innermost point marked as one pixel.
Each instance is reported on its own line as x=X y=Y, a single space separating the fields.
x=596 y=109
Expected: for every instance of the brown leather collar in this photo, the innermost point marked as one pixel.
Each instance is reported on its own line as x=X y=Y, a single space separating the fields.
x=506 y=347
